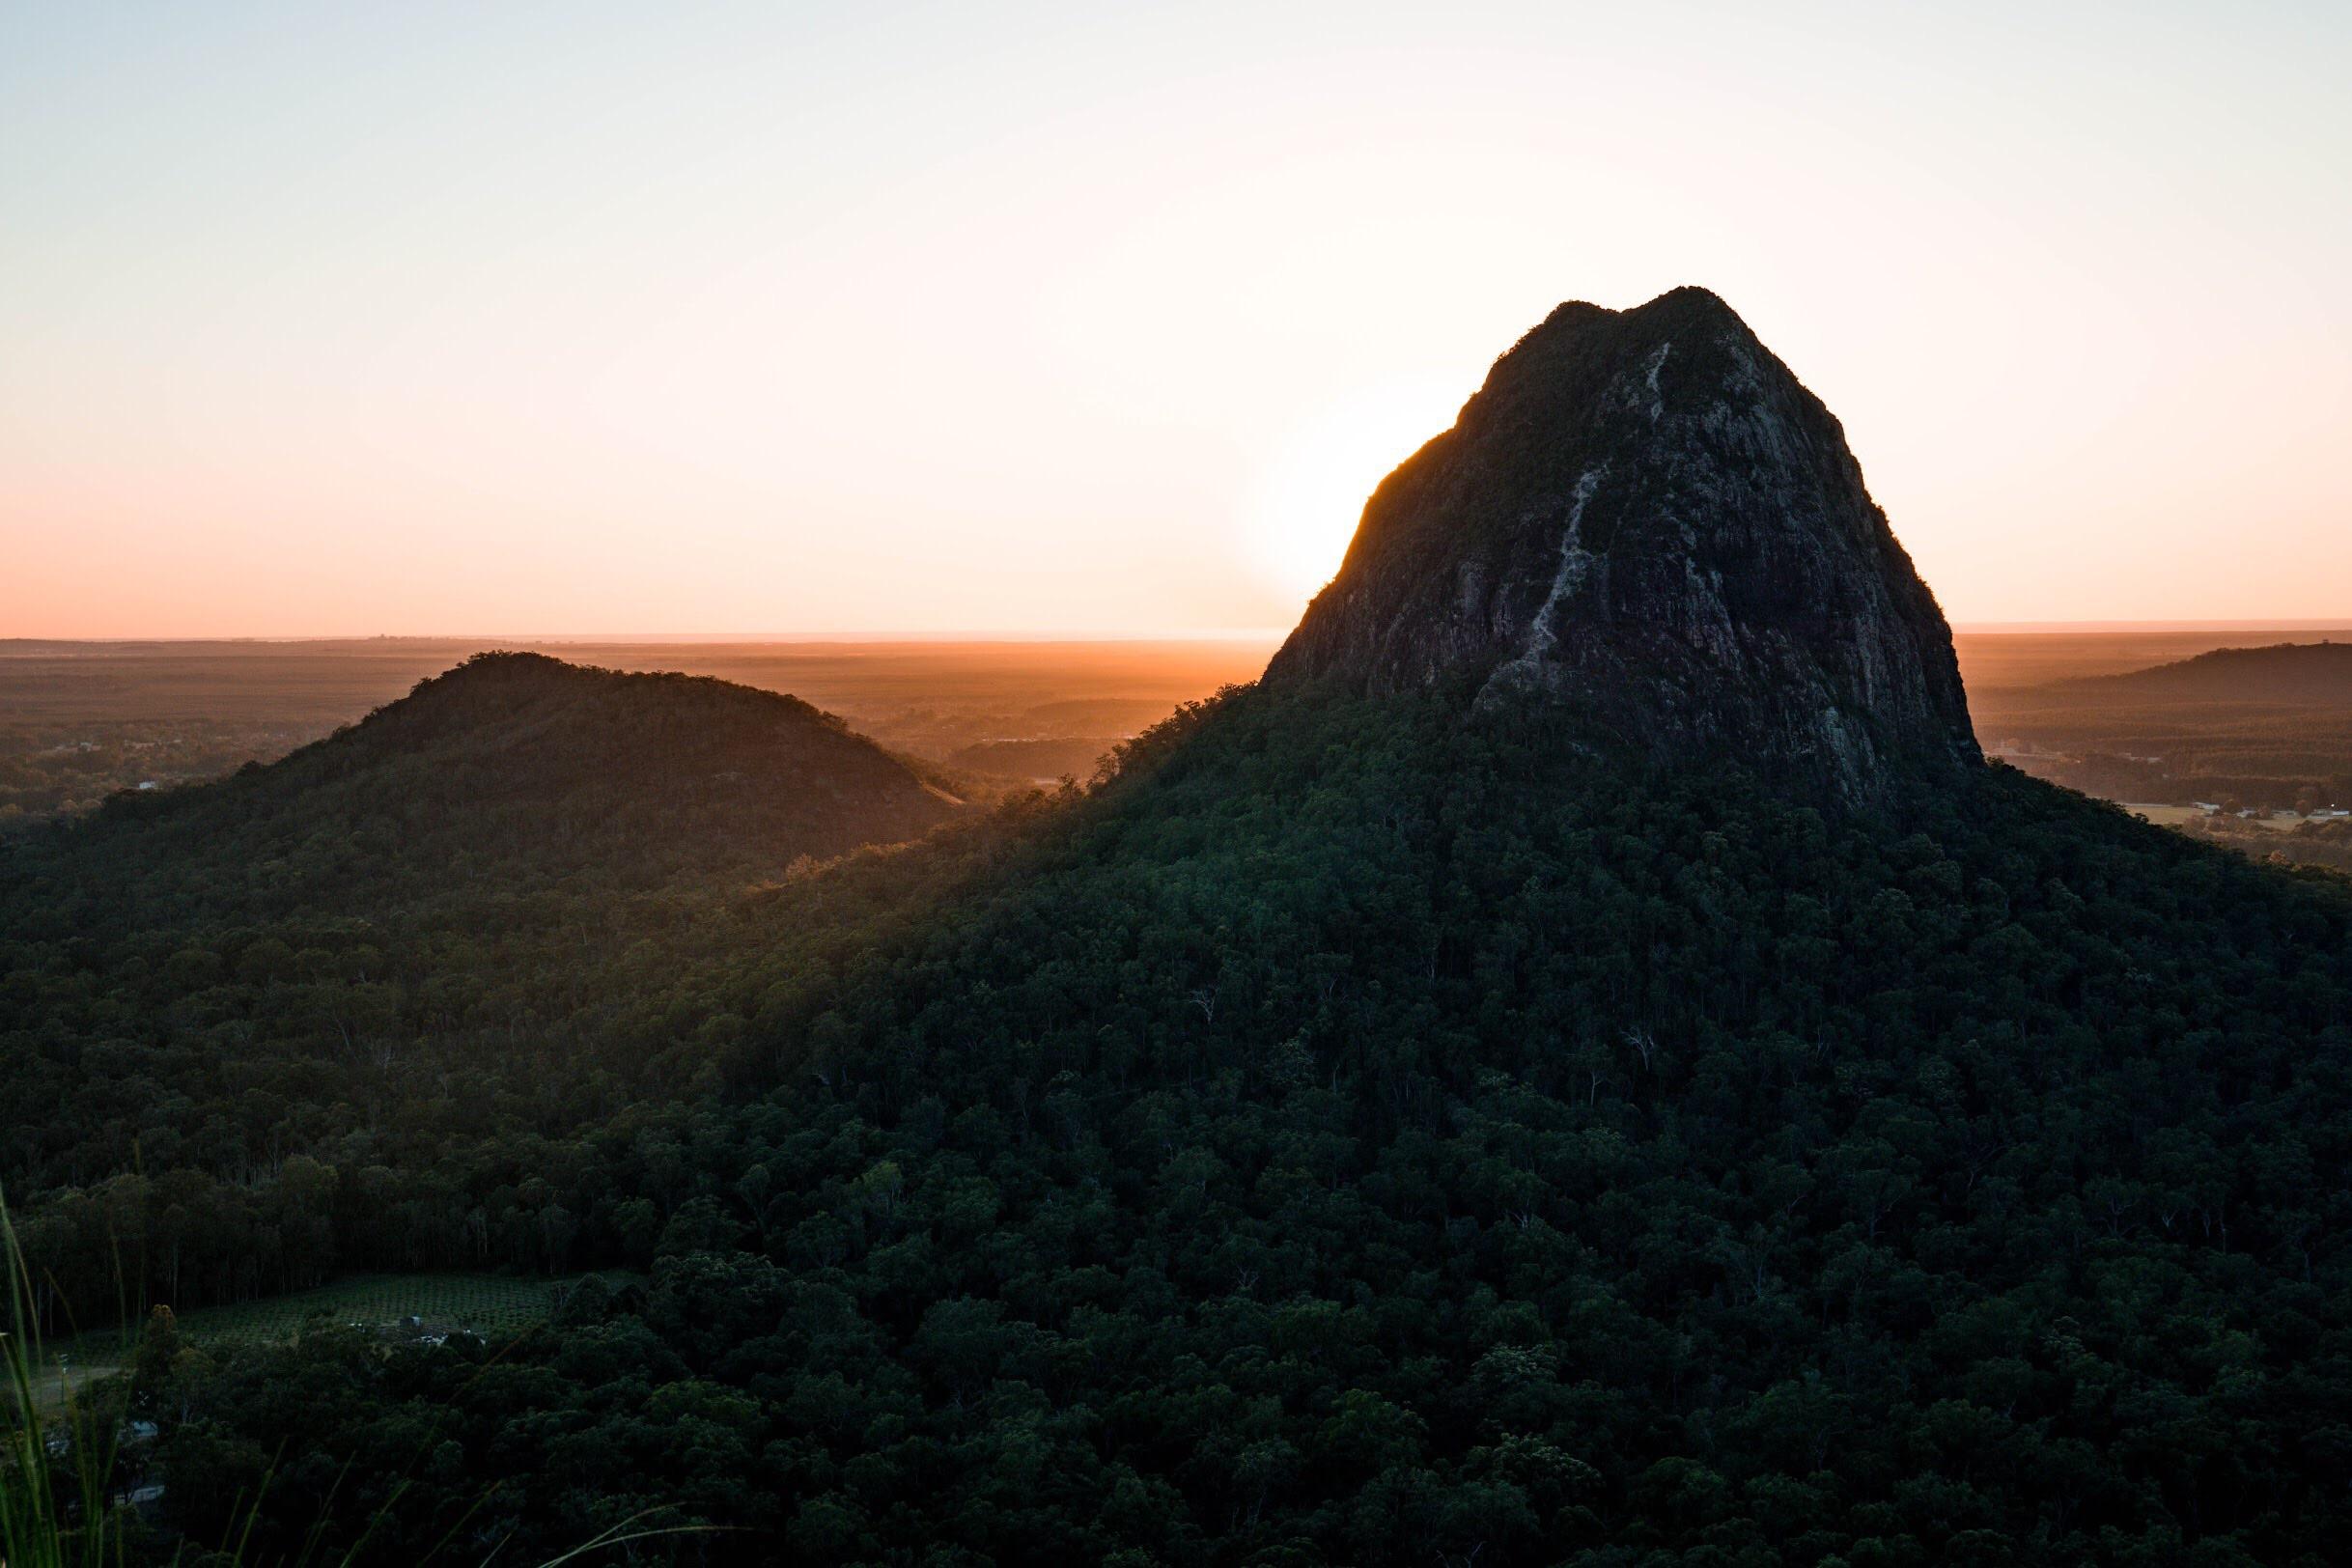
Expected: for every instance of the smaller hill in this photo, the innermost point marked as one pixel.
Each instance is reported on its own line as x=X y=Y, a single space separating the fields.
x=506 y=773
x=2314 y=673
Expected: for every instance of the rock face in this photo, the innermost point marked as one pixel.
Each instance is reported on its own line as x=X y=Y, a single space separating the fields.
x=1644 y=518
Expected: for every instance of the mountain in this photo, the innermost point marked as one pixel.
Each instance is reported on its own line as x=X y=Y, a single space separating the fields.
x=512 y=770
x=1644 y=518
x=2316 y=674
x=1403 y=1114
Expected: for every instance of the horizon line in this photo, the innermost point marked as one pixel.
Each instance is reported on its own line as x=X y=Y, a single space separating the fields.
x=1228 y=634
x=545 y=638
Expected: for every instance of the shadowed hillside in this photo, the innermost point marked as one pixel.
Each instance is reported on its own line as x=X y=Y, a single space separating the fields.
x=419 y=946
x=508 y=772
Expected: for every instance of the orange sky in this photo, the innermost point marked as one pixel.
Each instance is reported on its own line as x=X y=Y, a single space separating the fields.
x=330 y=320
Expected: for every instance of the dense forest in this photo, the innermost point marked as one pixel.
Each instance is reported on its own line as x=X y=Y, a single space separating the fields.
x=451 y=927
x=1344 y=1134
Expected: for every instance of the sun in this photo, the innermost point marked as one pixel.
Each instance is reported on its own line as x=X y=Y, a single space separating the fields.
x=1304 y=507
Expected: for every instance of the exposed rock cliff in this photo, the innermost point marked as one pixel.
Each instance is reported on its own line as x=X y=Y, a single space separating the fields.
x=1643 y=516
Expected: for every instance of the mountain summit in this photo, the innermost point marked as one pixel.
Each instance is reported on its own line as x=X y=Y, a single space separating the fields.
x=1644 y=518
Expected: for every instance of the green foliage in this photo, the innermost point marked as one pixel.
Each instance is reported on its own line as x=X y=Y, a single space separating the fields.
x=1345 y=1136
x=510 y=774
x=55 y=1507
x=73 y=1475
x=495 y=1307
x=326 y=1014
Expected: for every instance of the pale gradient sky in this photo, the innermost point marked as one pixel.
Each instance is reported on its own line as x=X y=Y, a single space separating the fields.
x=785 y=317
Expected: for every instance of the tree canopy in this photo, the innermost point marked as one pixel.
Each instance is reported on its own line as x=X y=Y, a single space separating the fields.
x=1348 y=1134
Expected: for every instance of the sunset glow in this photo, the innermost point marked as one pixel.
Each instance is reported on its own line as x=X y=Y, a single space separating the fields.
x=1514 y=784
x=1304 y=507
x=344 y=320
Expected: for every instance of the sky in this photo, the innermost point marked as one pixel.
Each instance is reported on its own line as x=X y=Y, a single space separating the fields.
x=1079 y=320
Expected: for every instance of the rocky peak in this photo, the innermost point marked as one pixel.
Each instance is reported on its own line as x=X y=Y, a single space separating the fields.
x=1644 y=518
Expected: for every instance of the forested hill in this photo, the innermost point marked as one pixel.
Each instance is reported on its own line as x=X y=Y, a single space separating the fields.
x=1356 y=1137
x=2304 y=673
x=411 y=949
x=510 y=772
x=1378 y=1125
